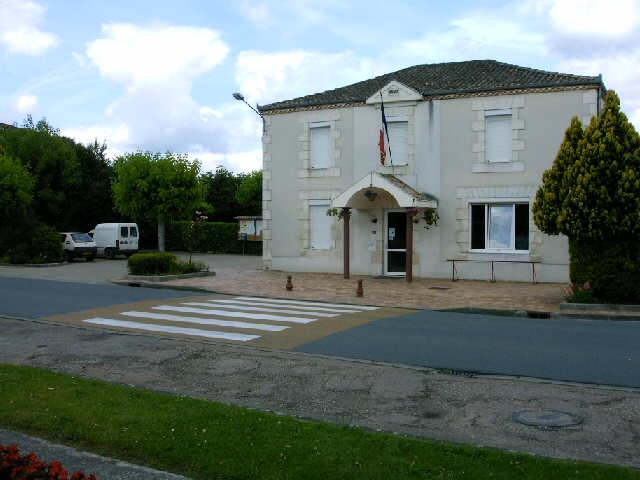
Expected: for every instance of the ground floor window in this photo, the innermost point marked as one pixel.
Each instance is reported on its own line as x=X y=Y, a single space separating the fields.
x=320 y=223
x=500 y=226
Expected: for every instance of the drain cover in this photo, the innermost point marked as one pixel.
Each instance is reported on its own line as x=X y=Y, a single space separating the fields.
x=547 y=418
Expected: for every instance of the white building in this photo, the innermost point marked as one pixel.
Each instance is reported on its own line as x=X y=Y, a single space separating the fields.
x=468 y=140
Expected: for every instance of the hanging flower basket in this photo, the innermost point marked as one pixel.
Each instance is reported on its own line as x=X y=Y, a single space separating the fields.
x=337 y=212
x=430 y=217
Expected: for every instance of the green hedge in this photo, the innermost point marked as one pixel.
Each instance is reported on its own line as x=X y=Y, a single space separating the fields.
x=37 y=244
x=210 y=237
x=161 y=263
x=611 y=267
x=151 y=263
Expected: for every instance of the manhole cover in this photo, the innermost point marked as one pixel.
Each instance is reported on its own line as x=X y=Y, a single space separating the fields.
x=438 y=287
x=547 y=418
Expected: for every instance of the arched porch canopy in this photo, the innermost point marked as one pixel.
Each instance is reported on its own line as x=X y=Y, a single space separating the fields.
x=374 y=182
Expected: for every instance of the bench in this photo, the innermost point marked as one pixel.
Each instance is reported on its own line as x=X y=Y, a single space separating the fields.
x=492 y=262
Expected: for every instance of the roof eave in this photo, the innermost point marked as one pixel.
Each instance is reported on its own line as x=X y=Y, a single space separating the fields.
x=595 y=82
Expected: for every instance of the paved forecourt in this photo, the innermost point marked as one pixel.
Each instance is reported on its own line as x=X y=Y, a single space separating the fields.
x=263 y=322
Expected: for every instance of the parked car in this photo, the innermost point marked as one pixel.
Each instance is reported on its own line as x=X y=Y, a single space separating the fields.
x=78 y=245
x=116 y=238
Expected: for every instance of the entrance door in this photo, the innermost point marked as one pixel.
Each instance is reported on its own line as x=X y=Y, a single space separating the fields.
x=396 y=244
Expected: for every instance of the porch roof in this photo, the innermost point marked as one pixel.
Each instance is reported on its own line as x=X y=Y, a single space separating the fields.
x=405 y=195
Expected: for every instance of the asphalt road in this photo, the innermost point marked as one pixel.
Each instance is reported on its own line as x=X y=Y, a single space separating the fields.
x=33 y=298
x=591 y=351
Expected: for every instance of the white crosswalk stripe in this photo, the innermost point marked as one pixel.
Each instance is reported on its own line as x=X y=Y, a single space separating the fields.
x=246 y=308
x=225 y=313
x=279 y=307
x=206 y=321
x=302 y=302
x=170 y=329
x=219 y=313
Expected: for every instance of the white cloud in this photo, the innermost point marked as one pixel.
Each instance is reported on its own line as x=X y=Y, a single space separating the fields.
x=237 y=162
x=18 y=28
x=113 y=135
x=135 y=55
x=266 y=77
x=157 y=65
x=590 y=28
x=595 y=17
x=316 y=13
x=589 y=37
x=477 y=35
x=258 y=13
x=26 y=103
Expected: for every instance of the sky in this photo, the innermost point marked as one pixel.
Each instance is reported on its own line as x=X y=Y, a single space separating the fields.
x=159 y=75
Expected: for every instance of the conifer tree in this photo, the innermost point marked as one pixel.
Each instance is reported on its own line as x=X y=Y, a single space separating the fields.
x=592 y=191
x=547 y=208
x=591 y=194
x=601 y=202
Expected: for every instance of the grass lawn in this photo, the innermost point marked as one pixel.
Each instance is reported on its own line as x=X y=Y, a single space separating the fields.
x=208 y=440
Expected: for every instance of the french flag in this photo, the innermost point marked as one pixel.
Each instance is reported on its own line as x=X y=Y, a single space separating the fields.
x=384 y=131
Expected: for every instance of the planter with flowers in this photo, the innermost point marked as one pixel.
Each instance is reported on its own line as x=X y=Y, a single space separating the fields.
x=430 y=217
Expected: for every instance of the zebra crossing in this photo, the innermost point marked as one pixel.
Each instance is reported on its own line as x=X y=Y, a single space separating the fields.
x=238 y=319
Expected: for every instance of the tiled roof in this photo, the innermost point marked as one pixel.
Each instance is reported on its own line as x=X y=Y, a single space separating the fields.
x=409 y=189
x=443 y=79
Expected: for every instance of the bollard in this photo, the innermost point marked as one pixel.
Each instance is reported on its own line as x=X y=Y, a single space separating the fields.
x=359 y=290
x=289 y=284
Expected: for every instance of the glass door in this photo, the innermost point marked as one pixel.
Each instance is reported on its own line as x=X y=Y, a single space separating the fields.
x=396 y=243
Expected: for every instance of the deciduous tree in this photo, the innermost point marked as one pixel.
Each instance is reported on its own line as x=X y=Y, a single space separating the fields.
x=249 y=194
x=221 y=189
x=157 y=188
x=16 y=195
x=52 y=162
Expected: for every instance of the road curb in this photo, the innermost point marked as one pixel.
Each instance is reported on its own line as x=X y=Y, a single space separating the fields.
x=32 y=265
x=166 y=278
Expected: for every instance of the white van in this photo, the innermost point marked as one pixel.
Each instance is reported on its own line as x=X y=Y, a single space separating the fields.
x=78 y=245
x=114 y=238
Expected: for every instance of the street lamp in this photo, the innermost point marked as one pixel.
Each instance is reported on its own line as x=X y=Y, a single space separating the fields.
x=239 y=96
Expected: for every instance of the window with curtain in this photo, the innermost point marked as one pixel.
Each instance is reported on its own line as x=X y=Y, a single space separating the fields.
x=500 y=227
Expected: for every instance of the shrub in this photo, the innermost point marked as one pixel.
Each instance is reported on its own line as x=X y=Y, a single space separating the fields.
x=190 y=267
x=38 y=244
x=14 y=466
x=579 y=293
x=156 y=263
x=611 y=268
x=161 y=263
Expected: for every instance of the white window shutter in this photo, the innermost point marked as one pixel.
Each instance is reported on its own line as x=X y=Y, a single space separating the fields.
x=399 y=142
x=320 y=222
x=320 y=147
x=498 y=138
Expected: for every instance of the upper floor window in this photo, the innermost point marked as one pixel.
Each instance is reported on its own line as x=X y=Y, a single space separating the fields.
x=320 y=145
x=500 y=226
x=399 y=141
x=498 y=136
